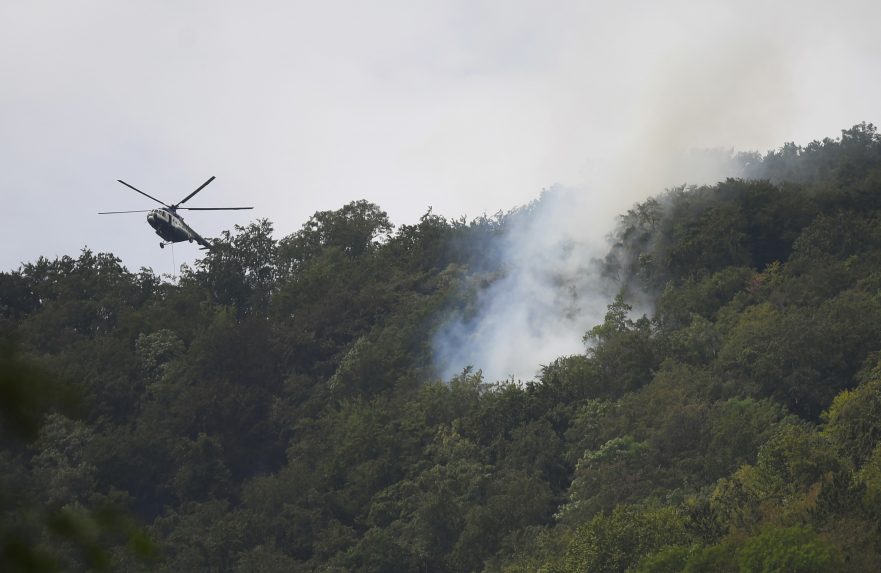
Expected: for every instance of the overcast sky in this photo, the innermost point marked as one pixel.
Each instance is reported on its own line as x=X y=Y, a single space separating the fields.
x=468 y=107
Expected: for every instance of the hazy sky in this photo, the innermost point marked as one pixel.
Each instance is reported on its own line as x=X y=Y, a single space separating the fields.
x=464 y=106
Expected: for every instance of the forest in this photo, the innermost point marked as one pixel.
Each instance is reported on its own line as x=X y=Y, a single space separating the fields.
x=276 y=406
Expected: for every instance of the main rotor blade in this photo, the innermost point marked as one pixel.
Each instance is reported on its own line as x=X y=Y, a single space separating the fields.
x=141 y=192
x=213 y=208
x=117 y=212
x=190 y=196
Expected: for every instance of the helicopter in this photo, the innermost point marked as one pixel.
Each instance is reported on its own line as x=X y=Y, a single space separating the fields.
x=168 y=224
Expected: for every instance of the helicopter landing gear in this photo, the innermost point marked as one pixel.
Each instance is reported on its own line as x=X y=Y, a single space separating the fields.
x=161 y=245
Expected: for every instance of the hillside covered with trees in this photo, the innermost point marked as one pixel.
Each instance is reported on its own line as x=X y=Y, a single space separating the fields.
x=276 y=408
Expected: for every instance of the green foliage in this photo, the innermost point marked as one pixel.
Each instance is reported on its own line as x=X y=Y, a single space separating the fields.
x=356 y=229
x=853 y=421
x=869 y=477
x=788 y=549
x=618 y=541
x=624 y=351
x=46 y=523
x=277 y=407
x=670 y=559
x=27 y=393
x=678 y=306
x=240 y=269
x=802 y=356
x=619 y=471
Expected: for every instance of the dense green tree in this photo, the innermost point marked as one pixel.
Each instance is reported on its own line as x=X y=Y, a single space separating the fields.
x=277 y=407
x=623 y=350
x=853 y=421
x=788 y=549
x=619 y=540
x=356 y=229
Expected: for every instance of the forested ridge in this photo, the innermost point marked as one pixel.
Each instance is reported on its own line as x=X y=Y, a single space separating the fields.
x=276 y=407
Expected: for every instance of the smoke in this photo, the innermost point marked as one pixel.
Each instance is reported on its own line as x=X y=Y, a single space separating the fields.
x=551 y=290
x=549 y=294
x=668 y=116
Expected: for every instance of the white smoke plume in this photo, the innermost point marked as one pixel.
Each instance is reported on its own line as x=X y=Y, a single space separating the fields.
x=713 y=86
x=549 y=295
x=551 y=290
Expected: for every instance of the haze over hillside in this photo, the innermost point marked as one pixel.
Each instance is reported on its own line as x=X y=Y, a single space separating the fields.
x=282 y=406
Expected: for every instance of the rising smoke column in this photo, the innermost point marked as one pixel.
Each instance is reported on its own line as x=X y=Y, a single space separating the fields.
x=671 y=123
x=550 y=292
x=552 y=289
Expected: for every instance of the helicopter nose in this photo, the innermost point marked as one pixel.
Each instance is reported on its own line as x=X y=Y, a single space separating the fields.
x=151 y=219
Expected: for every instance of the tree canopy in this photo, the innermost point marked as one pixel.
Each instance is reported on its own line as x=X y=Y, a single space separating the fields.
x=277 y=407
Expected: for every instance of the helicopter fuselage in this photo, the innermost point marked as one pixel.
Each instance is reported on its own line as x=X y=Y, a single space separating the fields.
x=172 y=228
